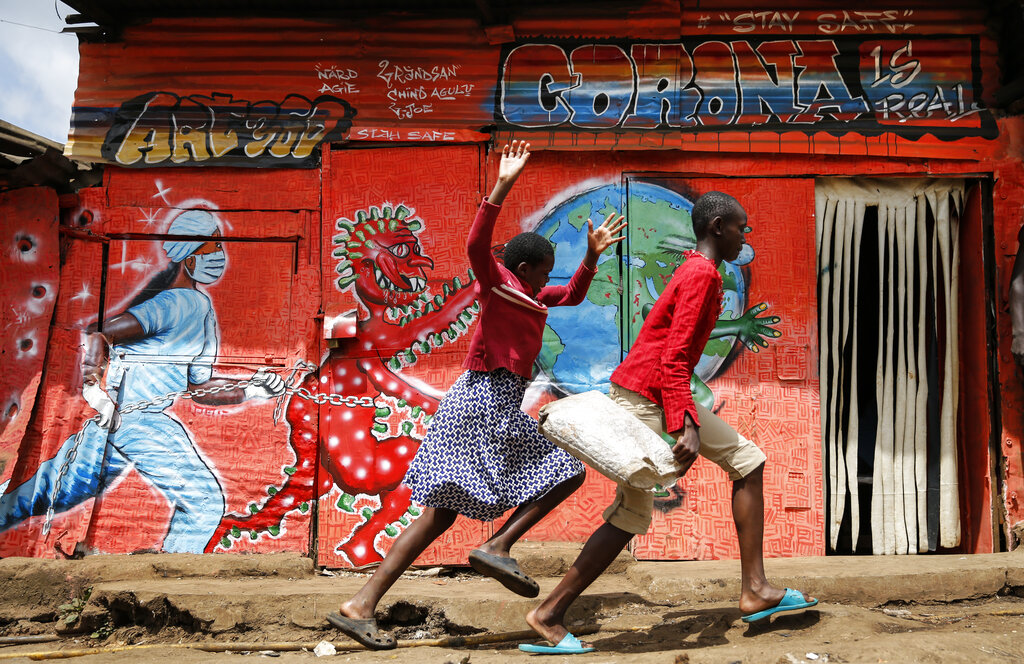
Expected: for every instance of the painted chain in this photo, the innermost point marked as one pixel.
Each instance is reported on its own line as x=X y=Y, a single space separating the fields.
x=301 y=392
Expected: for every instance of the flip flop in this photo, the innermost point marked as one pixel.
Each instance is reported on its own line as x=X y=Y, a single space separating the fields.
x=793 y=600
x=505 y=571
x=365 y=632
x=569 y=645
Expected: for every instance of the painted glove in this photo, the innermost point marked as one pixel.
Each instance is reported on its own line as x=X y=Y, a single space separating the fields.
x=100 y=401
x=264 y=385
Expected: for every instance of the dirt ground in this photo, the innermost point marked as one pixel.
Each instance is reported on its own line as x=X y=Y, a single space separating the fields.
x=991 y=630
x=158 y=610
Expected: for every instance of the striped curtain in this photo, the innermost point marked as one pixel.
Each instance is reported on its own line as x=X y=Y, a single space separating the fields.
x=888 y=262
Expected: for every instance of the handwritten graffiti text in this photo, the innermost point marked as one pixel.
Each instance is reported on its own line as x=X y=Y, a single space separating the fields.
x=163 y=128
x=792 y=83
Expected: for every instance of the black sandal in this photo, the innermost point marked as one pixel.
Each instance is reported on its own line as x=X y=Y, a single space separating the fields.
x=505 y=571
x=364 y=632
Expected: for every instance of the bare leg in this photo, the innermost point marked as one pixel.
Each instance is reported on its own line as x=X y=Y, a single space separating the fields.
x=748 y=512
x=527 y=515
x=411 y=543
x=548 y=619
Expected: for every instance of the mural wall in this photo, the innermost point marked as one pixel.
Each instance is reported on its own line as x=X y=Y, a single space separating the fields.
x=906 y=82
x=315 y=309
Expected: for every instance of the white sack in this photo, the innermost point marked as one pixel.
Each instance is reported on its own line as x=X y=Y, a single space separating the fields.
x=606 y=436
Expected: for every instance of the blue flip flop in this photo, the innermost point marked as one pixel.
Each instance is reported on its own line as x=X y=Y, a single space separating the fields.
x=793 y=600
x=569 y=645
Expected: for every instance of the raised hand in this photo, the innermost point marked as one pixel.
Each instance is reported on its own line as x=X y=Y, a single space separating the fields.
x=751 y=328
x=513 y=159
x=602 y=237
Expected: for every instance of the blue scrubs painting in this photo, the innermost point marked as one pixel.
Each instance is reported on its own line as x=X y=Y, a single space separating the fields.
x=165 y=341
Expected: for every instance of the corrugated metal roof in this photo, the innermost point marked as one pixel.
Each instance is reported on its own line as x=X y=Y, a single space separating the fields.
x=29 y=160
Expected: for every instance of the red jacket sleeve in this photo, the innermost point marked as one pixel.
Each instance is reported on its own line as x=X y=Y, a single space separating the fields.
x=572 y=293
x=478 y=246
x=683 y=347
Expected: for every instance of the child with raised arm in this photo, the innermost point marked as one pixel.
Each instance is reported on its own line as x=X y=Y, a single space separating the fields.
x=482 y=455
x=653 y=383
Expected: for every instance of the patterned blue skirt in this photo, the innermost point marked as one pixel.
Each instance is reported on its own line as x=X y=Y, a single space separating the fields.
x=482 y=455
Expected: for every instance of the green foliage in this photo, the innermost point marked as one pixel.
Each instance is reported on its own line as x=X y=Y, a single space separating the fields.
x=72 y=611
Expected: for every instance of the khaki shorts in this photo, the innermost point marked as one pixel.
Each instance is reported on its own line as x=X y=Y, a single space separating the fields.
x=719 y=442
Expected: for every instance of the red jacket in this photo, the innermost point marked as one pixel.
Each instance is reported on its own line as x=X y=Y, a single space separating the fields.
x=511 y=325
x=672 y=339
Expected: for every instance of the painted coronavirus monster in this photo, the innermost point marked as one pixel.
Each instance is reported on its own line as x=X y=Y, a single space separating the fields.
x=365 y=444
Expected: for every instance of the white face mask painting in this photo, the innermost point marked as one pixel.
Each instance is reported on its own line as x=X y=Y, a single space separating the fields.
x=208 y=267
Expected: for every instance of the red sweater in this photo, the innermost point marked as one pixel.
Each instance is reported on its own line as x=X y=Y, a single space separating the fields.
x=511 y=325
x=672 y=339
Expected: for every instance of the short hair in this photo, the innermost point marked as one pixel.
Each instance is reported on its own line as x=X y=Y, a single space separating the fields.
x=710 y=205
x=529 y=248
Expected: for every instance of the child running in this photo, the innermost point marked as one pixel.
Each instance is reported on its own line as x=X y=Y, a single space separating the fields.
x=482 y=455
x=653 y=383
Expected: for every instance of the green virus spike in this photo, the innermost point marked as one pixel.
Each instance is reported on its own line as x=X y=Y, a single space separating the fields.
x=374 y=212
x=304 y=507
x=353 y=245
x=416 y=410
x=438 y=339
x=429 y=308
x=381 y=412
x=225 y=542
x=424 y=297
x=392 y=225
x=369 y=243
x=457 y=283
x=272 y=490
x=340 y=252
x=290 y=470
x=470 y=273
x=381 y=225
x=360 y=216
x=253 y=535
x=438 y=300
x=347 y=503
x=415 y=225
x=236 y=532
x=427 y=418
x=451 y=334
x=410 y=356
x=380 y=428
x=345 y=225
x=446 y=290
x=402 y=403
x=355 y=254
x=415 y=511
x=370 y=228
x=404 y=520
x=405 y=309
x=361 y=235
x=366 y=513
x=253 y=508
x=274 y=530
x=341 y=238
x=461 y=325
x=403 y=321
x=401 y=212
x=345 y=282
x=465 y=315
x=390 y=530
x=344 y=265
x=394 y=364
x=407 y=428
x=424 y=347
x=475 y=306
x=386 y=212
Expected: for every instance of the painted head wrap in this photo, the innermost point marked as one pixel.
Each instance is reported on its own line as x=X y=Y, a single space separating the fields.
x=189 y=222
